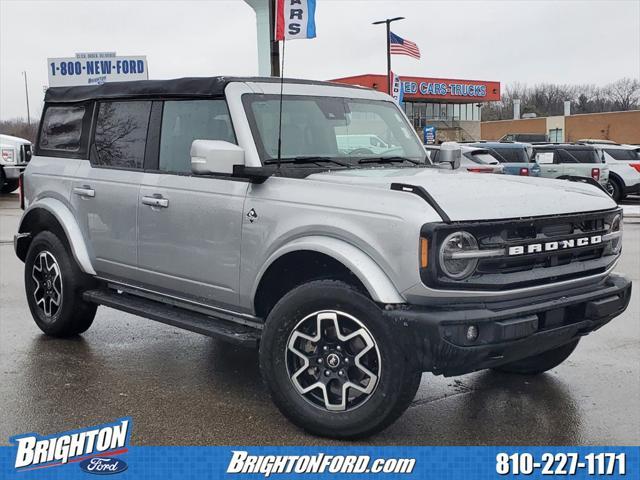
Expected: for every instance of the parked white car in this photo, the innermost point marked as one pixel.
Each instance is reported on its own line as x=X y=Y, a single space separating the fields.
x=473 y=159
x=624 y=168
x=364 y=144
x=15 y=154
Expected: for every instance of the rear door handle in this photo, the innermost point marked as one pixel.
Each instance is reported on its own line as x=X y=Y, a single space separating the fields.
x=552 y=170
x=155 y=201
x=84 y=191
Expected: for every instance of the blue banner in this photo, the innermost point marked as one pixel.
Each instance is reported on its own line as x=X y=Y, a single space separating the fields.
x=452 y=463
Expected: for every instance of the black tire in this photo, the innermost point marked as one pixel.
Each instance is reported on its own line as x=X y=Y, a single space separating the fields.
x=9 y=186
x=51 y=275
x=397 y=376
x=540 y=363
x=617 y=191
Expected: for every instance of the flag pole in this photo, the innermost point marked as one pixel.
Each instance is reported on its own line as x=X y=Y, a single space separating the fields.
x=389 y=79
x=284 y=42
x=388 y=24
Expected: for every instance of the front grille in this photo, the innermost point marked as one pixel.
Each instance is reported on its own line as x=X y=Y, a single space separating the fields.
x=25 y=154
x=506 y=272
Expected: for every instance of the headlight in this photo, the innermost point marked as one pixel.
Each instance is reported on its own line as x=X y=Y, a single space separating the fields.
x=453 y=261
x=615 y=236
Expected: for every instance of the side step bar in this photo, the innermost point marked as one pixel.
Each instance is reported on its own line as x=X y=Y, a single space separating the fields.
x=177 y=317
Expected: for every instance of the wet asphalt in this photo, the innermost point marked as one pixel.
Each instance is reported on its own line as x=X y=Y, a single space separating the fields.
x=181 y=388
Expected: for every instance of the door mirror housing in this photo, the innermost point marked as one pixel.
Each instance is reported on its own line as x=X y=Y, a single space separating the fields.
x=210 y=157
x=451 y=153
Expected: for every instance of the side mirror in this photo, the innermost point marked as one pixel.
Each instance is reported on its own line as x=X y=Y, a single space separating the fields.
x=215 y=157
x=451 y=153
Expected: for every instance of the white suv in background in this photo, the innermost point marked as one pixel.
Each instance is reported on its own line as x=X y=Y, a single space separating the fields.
x=624 y=168
x=15 y=153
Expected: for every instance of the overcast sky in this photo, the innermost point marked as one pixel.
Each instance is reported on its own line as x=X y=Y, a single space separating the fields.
x=560 y=41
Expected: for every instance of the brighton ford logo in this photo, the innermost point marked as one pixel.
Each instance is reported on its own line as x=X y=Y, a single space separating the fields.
x=100 y=442
x=557 y=245
x=103 y=466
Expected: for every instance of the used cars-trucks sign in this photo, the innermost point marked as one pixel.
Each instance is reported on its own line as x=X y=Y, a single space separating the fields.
x=95 y=69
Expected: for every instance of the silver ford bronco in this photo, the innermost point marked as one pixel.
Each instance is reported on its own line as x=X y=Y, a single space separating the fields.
x=219 y=206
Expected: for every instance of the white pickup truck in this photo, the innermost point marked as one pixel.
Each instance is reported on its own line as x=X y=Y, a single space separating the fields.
x=15 y=154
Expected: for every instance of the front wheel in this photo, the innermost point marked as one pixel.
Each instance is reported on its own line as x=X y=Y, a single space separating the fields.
x=9 y=186
x=332 y=365
x=540 y=363
x=54 y=285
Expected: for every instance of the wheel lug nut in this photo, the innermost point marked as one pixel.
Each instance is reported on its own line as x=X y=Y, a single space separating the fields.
x=325 y=348
x=339 y=348
x=341 y=372
x=320 y=360
x=346 y=360
x=327 y=373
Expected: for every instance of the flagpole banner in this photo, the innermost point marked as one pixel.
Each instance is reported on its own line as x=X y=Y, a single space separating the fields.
x=452 y=463
x=295 y=19
x=396 y=88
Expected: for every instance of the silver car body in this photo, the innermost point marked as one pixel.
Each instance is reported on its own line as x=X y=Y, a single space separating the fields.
x=205 y=248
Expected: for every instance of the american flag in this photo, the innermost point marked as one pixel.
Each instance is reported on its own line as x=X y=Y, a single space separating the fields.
x=400 y=46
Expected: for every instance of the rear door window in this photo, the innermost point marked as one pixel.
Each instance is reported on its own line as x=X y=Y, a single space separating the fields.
x=510 y=155
x=64 y=130
x=579 y=156
x=121 y=134
x=622 y=154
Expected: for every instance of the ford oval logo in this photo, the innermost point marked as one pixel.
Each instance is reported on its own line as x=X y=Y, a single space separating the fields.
x=103 y=465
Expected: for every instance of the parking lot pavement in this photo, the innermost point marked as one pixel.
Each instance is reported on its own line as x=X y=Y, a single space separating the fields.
x=186 y=389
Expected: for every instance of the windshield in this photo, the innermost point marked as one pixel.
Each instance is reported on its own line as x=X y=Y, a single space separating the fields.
x=346 y=129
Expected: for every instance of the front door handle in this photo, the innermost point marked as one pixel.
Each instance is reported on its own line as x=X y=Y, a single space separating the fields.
x=84 y=191
x=552 y=170
x=155 y=202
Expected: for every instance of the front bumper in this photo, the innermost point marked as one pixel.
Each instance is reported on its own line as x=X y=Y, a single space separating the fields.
x=12 y=172
x=507 y=330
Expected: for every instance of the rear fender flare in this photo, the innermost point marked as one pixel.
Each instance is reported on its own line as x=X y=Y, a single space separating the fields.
x=69 y=225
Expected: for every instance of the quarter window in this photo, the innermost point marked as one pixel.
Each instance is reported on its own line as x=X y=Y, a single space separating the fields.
x=121 y=134
x=184 y=121
x=62 y=128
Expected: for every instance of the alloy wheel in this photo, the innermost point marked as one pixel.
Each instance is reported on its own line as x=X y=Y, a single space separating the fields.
x=48 y=279
x=333 y=360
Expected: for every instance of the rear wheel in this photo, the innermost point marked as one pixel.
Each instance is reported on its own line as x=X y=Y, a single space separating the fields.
x=540 y=363
x=615 y=189
x=54 y=286
x=332 y=364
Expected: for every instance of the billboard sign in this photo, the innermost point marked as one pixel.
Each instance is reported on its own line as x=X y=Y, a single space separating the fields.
x=95 y=69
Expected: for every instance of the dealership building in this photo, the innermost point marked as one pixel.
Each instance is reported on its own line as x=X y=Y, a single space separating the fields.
x=453 y=106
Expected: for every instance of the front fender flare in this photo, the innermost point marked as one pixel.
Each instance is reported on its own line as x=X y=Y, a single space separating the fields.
x=70 y=227
x=377 y=283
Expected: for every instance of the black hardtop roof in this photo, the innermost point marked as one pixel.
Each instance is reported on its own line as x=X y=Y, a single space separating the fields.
x=564 y=146
x=178 y=87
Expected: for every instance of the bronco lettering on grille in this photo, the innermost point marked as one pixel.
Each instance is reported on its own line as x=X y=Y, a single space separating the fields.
x=555 y=245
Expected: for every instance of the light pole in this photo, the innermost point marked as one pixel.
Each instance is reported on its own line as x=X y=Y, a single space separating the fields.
x=388 y=23
x=26 y=94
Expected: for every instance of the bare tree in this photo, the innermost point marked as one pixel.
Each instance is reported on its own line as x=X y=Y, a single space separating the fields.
x=548 y=99
x=624 y=93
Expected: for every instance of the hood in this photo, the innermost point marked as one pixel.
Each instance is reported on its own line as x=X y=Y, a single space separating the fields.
x=474 y=196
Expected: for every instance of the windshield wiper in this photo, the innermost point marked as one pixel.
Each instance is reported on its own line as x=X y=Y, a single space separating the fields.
x=388 y=160
x=306 y=159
